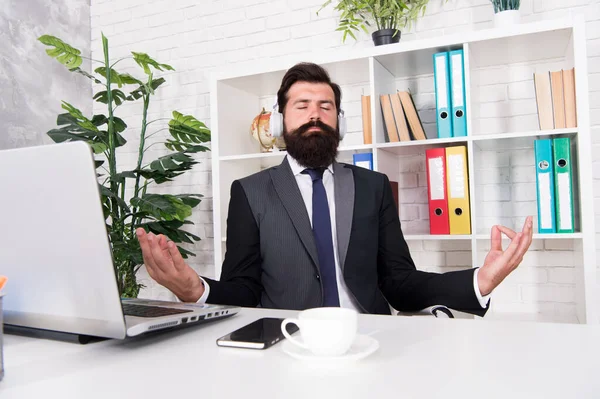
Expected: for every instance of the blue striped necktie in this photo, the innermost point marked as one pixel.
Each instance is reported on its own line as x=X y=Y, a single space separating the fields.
x=323 y=237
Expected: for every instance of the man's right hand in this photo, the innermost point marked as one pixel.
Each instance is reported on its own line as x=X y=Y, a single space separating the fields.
x=166 y=266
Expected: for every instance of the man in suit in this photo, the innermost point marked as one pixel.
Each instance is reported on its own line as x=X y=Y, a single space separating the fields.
x=313 y=232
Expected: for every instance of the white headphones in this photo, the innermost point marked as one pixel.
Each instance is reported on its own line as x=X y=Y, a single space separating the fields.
x=276 y=122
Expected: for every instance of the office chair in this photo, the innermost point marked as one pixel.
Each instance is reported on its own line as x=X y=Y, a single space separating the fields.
x=438 y=311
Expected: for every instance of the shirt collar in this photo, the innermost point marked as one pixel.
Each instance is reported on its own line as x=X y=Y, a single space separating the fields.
x=297 y=168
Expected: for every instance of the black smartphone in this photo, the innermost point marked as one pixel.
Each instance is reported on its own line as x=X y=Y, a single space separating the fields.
x=259 y=334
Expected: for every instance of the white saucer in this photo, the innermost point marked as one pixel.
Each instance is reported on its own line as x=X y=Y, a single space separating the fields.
x=362 y=347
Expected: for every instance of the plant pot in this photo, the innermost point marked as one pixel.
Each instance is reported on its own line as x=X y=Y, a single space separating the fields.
x=385 y=36
x=507 y=18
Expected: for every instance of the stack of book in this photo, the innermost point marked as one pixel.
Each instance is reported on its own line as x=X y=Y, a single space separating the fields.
x=400 y=116
x=555 y=97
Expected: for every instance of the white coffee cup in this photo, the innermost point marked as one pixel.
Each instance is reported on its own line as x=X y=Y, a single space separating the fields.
x=324 y=331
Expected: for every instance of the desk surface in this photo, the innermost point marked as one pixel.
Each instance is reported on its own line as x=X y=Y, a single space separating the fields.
x=417 y=357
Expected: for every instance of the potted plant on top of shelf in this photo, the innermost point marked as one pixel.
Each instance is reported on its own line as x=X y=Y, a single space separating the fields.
x=506 y=12
x=388 y=15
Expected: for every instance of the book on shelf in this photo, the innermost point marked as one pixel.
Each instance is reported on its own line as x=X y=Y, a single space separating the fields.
x=570 y=98
x=410 y=110
x=391 y=131
x=400 y=117
x=543 y=97
x=555 y=98
x=366 y=119
x=558 y=99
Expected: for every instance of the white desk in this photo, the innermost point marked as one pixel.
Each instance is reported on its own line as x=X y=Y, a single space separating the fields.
x=418 y=357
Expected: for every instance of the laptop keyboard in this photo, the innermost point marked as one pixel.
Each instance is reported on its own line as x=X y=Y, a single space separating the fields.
x=150 y=311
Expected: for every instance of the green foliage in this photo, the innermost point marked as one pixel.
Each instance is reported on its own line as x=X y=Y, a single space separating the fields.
x=386 y=14
x=157 y=213
x=504 y=5
x=65 y=54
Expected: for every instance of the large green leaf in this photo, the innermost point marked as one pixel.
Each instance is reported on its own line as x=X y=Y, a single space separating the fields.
x=70 y=130
x=185 y=147
x=187 y=129
x=120 y=177
x=61 y=135
x=98 y=148
x=127 y=249
x=185 y=253
x=107 y=193
x=118 y=123
x=171 y=229
x=145 y=89
x=176 y=162
x=159 y=177
x=78 y=115
x=146 y=62
x=119 y=78
x=191 y=199
x=168 y=167
x=65 y=54
x=118 y=96
x=163 y=206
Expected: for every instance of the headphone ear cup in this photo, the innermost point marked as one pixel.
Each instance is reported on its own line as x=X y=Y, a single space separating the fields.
x=343 y=126
x=276 y=124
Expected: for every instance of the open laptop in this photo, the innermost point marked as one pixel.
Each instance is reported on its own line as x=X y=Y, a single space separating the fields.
x=55 y=251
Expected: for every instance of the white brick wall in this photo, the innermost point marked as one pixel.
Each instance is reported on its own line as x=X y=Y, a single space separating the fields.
x=197 y=38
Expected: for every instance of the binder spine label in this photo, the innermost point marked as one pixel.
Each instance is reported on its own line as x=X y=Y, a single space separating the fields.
x=455 y=171
x=436 y=167
x=564 y=206
x=545 y=198
x=442 y=93
x=457 y=81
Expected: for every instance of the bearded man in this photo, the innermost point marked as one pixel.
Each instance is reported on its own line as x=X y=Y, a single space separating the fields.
x=314 y=232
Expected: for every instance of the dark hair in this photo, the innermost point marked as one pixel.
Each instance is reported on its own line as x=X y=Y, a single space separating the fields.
x=306 y=72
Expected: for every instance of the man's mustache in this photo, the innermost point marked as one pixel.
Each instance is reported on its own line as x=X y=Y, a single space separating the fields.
x=315 y=123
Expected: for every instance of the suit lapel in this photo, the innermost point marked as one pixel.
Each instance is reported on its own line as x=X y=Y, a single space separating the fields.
x=344 y=207
x=289 y=193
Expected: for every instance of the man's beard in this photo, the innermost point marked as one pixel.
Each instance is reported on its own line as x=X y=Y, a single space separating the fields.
x=312 y=149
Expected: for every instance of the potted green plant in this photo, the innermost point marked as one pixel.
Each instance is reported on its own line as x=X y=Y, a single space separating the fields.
x=506 y=12
x=127 y=199
x=389 y=16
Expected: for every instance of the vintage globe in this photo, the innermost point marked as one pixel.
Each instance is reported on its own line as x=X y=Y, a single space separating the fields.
x=260 y=130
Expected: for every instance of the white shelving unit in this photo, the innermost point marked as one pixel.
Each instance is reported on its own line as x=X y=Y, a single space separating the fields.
x=501 y=132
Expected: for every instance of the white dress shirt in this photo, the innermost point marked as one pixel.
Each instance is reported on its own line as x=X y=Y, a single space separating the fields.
x=305 y=185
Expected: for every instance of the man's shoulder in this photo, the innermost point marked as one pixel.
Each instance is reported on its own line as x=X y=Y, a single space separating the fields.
x=257 y=179
x=363 y=173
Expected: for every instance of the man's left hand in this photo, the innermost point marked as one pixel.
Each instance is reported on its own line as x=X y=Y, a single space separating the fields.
x=498 y=263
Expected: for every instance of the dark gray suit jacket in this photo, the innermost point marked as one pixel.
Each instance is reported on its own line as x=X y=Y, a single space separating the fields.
x=271 y=258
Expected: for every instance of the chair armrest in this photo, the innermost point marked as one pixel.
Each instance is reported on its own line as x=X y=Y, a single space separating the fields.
x=439 y=311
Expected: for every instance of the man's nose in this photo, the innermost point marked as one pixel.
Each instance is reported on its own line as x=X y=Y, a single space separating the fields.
x=314 y=113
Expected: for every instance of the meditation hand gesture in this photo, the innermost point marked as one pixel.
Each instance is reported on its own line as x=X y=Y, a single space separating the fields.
x=166 y=266
x=498 y=263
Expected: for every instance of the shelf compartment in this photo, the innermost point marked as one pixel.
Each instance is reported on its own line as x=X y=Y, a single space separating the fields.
x=505 y=182
x=531 y=47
